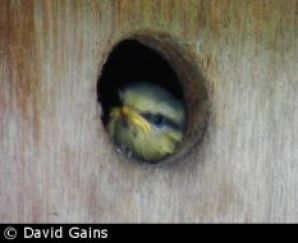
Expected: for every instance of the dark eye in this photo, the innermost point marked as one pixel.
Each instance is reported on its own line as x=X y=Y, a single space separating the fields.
x=157 y=120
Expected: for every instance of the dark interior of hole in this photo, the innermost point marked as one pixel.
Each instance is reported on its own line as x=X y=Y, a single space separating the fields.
x=131 y=61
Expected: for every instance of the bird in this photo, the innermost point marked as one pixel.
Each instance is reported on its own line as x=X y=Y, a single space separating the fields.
x=149 y=122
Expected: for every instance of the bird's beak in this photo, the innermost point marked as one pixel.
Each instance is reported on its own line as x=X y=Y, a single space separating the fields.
x=132 y=117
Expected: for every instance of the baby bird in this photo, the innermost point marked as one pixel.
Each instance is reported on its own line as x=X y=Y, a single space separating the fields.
x=149 y=123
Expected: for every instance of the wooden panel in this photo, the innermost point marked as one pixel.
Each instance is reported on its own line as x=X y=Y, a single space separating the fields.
x=55 y=161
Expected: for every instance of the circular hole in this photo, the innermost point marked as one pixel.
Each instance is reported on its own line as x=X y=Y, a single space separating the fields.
x=153 y=98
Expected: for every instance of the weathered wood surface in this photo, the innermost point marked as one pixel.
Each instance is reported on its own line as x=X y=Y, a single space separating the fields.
x=55 y=162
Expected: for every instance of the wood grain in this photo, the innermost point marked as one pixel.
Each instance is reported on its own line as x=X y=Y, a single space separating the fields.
x=56 y=164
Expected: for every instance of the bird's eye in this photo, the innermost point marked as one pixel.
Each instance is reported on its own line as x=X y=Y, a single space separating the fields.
x=157 y=120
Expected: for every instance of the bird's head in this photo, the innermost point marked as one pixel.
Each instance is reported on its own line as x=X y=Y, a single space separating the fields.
x=149 y=123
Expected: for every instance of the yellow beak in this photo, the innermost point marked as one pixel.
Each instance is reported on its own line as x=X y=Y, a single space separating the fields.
x=132 y=117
